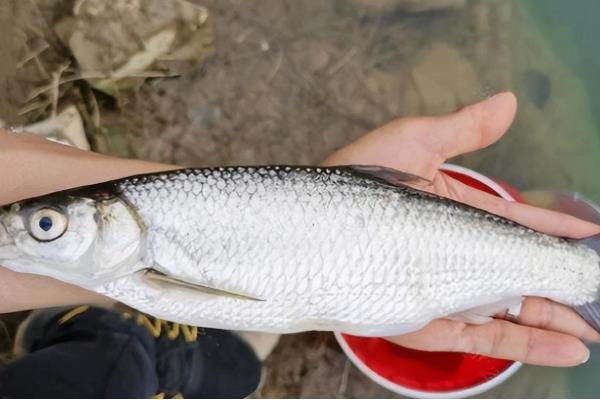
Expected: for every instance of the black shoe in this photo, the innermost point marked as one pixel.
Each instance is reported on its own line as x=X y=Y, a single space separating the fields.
x=195 y=362
x=93 y=352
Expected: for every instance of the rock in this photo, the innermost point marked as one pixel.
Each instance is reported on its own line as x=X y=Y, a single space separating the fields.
x=537 y=87
x=387 y=87
x=442 y=81
x=413 y=6
x=312 y=55
x=493 y=44
x=428 y=5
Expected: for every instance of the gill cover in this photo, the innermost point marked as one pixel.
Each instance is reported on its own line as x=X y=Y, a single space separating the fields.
x=78 y=240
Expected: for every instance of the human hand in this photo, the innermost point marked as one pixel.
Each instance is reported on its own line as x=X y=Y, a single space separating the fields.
x=545 y=332
x=32 y=166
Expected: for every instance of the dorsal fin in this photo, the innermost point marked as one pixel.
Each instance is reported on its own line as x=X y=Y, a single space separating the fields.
x=389 y=175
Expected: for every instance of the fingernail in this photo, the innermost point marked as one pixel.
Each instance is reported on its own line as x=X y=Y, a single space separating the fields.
x=587 y=356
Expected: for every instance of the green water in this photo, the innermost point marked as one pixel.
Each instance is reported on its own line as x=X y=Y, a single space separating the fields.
x=569 y=71
x=572 y=30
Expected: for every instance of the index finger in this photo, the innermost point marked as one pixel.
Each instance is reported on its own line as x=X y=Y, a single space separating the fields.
x=542 y=220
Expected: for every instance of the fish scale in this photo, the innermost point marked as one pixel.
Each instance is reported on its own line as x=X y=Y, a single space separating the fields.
x=424 y=227
x=345 y=248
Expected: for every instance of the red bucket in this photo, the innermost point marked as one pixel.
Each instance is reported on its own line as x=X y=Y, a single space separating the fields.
x=424 y=374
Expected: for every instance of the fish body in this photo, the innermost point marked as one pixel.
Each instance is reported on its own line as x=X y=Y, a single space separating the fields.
x=287 y=249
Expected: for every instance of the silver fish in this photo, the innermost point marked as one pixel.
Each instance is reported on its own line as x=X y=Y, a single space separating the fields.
x=287 y=249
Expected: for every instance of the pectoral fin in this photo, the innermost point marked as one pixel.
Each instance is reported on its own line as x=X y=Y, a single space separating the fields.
x=155 y=276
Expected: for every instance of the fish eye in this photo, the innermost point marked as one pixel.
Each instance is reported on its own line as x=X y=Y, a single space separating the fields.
x=47 y=224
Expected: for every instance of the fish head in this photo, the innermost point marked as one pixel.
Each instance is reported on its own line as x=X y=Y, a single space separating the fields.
x=80 y=240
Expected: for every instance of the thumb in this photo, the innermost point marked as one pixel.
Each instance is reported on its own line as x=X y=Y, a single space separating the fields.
x=473 y=127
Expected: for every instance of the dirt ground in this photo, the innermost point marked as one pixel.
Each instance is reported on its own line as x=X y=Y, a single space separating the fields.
x=289 y=82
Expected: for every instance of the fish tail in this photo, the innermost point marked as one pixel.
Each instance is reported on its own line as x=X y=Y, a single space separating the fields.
x=591 y=311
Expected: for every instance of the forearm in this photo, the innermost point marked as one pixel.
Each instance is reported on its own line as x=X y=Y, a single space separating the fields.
x=31 y=166
x=20 y=291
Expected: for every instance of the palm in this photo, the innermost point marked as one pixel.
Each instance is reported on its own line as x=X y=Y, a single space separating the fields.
x=545 y=332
